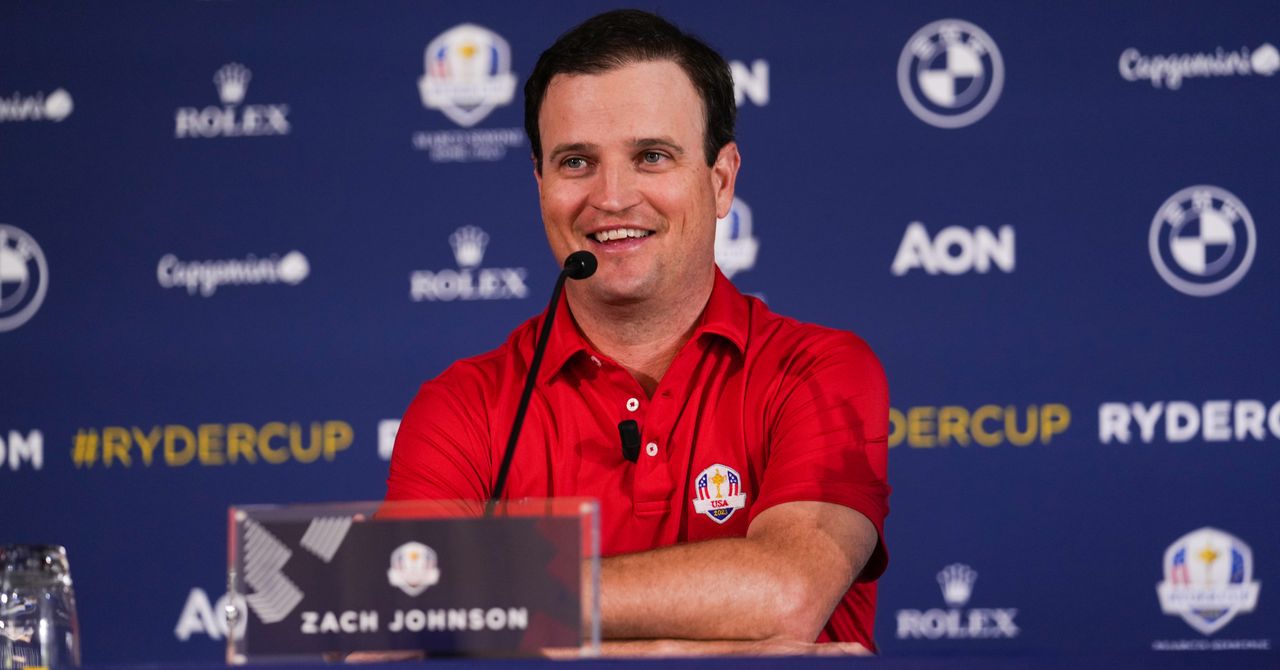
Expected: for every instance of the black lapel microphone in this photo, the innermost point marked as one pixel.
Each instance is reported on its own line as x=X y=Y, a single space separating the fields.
x=579 y=265
x=629 y=431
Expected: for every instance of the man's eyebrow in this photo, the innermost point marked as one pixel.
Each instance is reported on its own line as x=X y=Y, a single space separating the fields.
x=649 y=142
x=572 y=147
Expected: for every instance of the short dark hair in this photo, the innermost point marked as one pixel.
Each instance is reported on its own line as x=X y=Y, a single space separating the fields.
x=625 y=36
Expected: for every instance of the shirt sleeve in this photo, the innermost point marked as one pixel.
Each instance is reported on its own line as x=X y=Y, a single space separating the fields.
x=828 y=432
x=442 y=450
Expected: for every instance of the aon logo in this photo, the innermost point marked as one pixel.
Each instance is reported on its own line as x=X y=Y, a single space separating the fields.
x=954 y=250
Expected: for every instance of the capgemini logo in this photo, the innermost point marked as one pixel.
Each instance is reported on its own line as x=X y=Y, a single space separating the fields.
x=55 y=106
x=206 y=276
x=1169 y=71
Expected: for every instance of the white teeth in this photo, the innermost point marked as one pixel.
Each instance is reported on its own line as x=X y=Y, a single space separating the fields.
x=619 y=233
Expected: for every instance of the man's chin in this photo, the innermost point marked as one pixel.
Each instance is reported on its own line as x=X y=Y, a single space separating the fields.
x=619 y=294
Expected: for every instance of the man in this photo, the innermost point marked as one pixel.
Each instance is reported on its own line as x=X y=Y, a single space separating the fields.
x=750 y=521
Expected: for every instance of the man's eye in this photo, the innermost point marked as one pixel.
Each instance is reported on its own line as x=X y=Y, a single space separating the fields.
x=654 y=157
x=575 y=162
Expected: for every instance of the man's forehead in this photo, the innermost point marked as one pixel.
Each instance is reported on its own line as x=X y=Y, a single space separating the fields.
x=620 y=64
x=659 y=87
x=672 y=74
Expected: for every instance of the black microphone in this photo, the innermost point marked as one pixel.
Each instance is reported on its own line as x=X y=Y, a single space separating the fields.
x=629 y=431
x=579 y=265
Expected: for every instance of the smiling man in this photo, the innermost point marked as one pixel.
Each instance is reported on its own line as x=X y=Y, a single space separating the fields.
x=751 y=521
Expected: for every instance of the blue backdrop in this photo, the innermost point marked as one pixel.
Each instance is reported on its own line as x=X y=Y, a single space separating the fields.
x=236 y=237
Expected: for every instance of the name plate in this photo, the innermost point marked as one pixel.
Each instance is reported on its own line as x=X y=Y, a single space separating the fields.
x=321 y=581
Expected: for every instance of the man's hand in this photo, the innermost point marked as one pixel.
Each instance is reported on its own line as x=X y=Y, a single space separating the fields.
x=778 y=585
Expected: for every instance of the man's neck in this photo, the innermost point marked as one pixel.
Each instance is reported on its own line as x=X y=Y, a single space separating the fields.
x=642 y=337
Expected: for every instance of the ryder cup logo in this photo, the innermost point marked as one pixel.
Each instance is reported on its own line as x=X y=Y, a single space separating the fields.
x=735 y=247
x=950 y=73
x=1208 y=579
x=413 y=568
x=468 y=74
x=1202 y=241
x=720 y=493
x=24 y=277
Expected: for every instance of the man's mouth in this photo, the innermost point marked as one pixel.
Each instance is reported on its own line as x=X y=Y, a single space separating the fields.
x=619 y=234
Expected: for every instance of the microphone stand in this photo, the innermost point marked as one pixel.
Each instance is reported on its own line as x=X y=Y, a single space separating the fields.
x=579 y=265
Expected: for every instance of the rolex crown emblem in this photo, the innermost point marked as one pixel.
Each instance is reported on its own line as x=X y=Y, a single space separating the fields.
x=468 y=244
x=232 y=81
x=957 y=581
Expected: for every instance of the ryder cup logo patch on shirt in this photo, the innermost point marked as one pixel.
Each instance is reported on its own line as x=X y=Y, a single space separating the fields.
x=720 y=493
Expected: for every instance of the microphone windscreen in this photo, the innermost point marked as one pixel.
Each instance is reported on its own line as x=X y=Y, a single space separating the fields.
x=580 y=265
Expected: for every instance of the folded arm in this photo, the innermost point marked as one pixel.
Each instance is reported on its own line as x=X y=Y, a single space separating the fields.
x=780 y=582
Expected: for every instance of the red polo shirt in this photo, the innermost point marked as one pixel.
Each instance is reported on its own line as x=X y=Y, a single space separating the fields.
x=755 y=410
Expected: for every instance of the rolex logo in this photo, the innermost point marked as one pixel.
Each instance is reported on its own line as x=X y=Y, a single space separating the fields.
x=468 y=244
x=957 y=581
x=957 y=622
x=232 y=81
x=231 y=118
x=468 y=281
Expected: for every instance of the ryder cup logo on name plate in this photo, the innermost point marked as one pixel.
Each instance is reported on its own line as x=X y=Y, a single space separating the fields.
x=1202 y=240
x=467 y=74
x=950 y=73
x=413 y=568
x=720 y=493
x=1208 y=579
x=736 y=248
x=24 y=277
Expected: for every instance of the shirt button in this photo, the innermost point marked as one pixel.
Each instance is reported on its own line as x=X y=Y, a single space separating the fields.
x=596 y=361
x=632 y=404
x=651 y=449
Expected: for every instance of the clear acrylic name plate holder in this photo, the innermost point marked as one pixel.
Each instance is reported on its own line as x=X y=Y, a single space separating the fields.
x=379 y=580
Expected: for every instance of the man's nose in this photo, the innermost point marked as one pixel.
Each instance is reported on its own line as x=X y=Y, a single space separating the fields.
x=615 y=188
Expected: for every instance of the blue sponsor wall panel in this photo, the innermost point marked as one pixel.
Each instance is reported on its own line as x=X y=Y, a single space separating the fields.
x=235 y=237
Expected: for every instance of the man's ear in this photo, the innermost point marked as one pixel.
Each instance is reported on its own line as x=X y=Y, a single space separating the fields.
x=724 y=174
x=537 y=171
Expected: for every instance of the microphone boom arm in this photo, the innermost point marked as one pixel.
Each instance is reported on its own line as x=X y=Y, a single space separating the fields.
x=579 y=265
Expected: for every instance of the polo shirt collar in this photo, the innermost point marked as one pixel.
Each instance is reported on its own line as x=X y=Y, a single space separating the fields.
x=726 y=315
